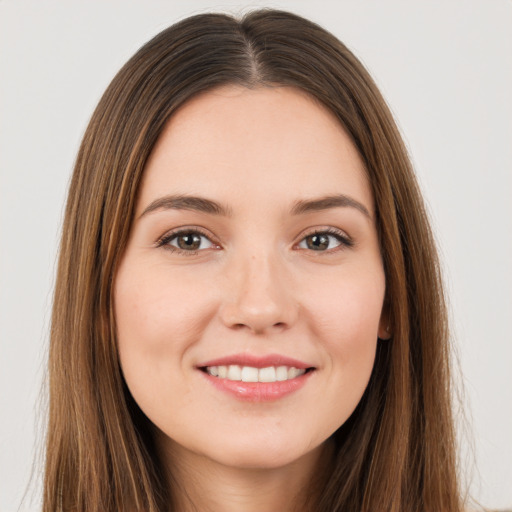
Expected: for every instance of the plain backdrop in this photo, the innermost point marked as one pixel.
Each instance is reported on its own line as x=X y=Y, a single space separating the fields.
x=445 y=68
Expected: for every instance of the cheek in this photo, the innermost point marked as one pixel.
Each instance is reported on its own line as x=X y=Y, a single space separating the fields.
x=157 y=321
x=347 y=308
x=345 y=317
x=151 y=310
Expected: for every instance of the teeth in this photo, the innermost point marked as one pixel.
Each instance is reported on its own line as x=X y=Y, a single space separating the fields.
x=267 y=374
x=282 y=373
x=293 y=372
x=251 y=374
x=234 y=372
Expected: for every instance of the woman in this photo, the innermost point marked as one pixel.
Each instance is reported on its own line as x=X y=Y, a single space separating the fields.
x=248 y=311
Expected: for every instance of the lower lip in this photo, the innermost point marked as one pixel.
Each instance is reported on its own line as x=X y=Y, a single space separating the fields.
x=258 y=391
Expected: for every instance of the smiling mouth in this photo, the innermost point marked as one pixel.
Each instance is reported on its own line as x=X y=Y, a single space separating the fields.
x=252 y=374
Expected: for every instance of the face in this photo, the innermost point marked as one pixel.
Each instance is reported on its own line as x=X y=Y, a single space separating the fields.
x=248 y=302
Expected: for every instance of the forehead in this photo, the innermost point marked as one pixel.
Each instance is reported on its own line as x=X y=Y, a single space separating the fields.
x=270 y=144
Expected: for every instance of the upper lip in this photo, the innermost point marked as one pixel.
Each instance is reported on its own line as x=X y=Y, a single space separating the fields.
x=256 y=361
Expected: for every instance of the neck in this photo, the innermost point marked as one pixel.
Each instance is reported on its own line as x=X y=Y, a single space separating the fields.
x=200 y=484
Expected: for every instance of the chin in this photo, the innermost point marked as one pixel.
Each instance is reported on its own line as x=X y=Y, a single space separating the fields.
x=271 y=453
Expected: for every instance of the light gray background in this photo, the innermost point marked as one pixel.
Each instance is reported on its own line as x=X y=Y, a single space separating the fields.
x=445 y=68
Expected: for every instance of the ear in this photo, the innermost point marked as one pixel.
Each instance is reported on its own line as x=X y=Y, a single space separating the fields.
x=384 y=332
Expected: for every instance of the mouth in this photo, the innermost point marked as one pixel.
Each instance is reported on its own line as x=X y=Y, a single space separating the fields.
x=257 y=379
x=237 y=373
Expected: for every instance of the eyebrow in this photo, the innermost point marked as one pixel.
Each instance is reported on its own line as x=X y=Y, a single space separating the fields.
x=186 y=202
x=204 y=205
x=327 y=202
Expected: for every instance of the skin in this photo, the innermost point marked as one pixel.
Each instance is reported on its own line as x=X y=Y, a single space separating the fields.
x=256 y=285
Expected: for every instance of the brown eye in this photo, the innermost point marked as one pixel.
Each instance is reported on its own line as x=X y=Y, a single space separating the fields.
x=186 y=242
x=317 y=242
x=189 y=241
x=323 y=241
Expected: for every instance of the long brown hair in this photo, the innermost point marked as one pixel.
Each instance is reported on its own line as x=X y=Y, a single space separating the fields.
x=397 y=450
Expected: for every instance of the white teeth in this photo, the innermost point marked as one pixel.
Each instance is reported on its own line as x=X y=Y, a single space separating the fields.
x=294 y=372
x=282 y=373
x=234 y=372
x=251 y=374
x=267 y=374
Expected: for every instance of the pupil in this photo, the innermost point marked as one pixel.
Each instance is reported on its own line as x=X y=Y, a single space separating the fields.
x=189 y=241
x=319 y=242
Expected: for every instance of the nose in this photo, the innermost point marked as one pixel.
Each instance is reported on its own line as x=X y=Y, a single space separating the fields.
x=259 y=296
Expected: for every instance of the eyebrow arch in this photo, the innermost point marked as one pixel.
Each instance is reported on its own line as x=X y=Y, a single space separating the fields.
x=186 y=202
x=201 y=204
x=327 y=202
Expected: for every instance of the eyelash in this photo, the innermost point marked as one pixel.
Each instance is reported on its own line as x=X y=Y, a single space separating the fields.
x=340 y=236
x=164 y=241
x=345 y=241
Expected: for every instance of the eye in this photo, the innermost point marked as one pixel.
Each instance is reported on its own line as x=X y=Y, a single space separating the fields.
x=326 y=240
x=186 y=241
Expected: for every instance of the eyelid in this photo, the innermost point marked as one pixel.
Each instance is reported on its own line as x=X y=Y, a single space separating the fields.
x=164 y=240
x=345 y=240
